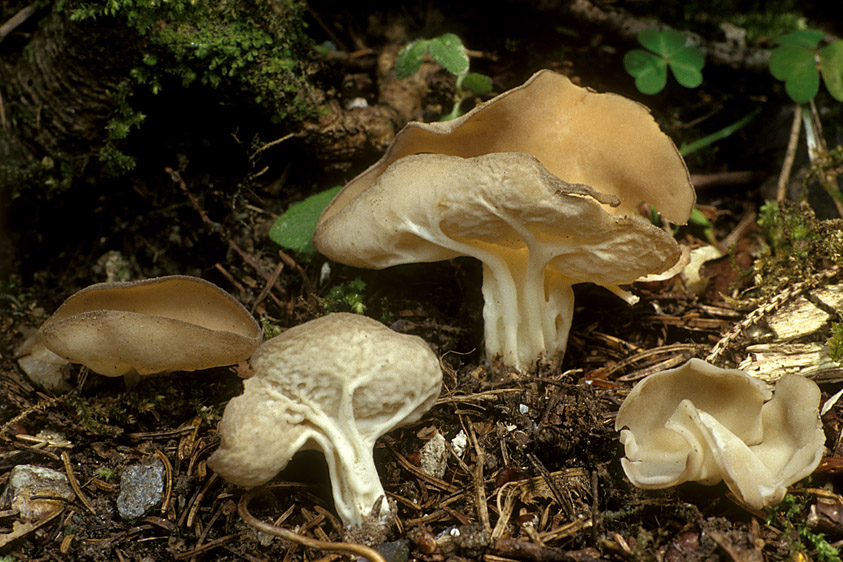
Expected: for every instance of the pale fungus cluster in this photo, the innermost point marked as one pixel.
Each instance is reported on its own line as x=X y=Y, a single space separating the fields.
x=542 y=184
x=705 y=424
x=334 y=384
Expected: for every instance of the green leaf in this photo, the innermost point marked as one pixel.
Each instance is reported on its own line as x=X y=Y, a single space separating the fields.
x=650 y=39
x=808 y=38
x=410 y=59
x=649 y=70
x=665 y=43
x=686 y=66
x=797 y=67
x=787 y=57
x=803 y=84
x=699 y=219
x=478 y=83
x=448 y=51
x=831 y=60
x=638 y=61
x=294 y=229
x=666 y=48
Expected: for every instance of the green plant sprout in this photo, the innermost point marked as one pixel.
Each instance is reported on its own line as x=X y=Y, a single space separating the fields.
x=105 y=473
x=798 y=61
x=270 y=330
x=667 y=48
x=346 y=297
x=294 y=229
x=791 y=515
x=448 y=52
x=721 y=134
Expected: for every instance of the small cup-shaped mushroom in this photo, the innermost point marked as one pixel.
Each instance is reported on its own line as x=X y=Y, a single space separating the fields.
x=334 y=384
x=603 y=140
x=535 y=234
x=175 y=323
x=705 y=424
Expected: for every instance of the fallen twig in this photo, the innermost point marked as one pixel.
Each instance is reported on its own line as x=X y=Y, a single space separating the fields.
x=790 y=154
x=74 y=484
x=16 y=20
x=350 y=548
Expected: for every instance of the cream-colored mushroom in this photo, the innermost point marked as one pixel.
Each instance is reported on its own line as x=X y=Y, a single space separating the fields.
x=175 y=323
x=333 y=384
x=702 y=423
x=535 y=234
x=605 y=141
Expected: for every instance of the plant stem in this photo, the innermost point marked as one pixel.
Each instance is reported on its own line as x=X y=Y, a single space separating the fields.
x=790 y=155
x=817 y=151
x=698 y=144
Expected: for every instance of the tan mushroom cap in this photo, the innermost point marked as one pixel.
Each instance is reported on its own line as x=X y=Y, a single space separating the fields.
x=431 y=207
x=604 y=140
x=175 y=323
x=335 y=384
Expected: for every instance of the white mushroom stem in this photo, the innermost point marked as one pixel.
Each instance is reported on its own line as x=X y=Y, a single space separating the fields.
x=527 y=308
x=540 y=302
x=355 y=483
x=356 y=486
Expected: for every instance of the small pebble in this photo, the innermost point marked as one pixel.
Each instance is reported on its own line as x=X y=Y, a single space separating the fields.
x=141 y=489
x=396 y=551
x=27 y=481
x=434 y=457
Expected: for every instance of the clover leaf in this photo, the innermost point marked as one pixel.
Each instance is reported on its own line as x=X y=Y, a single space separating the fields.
x=831 y=60
x=446 y=50
x=798 y=62
x=665 y=49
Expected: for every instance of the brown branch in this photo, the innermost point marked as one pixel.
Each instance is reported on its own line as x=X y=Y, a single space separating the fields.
x=344 y=547
x=627 y=26
x=479 y=483
x=16 y=20
x=168 y=488
x=790 y=154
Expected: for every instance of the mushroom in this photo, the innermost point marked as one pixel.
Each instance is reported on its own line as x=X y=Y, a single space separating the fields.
x=535 y=234
x=702 y=423
x=603 y=140
x=175 y=323
x=334 y=384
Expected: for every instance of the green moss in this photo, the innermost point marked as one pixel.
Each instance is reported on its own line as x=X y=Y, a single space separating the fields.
x=346 y=297
x=798 y=244
x=790 y=516
x=768 y=23
x=48 y=175
x=94 y=415
x=253 y=48
x=835 y=343
x=270 y=330
x=256 y=52
x=104 y=473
